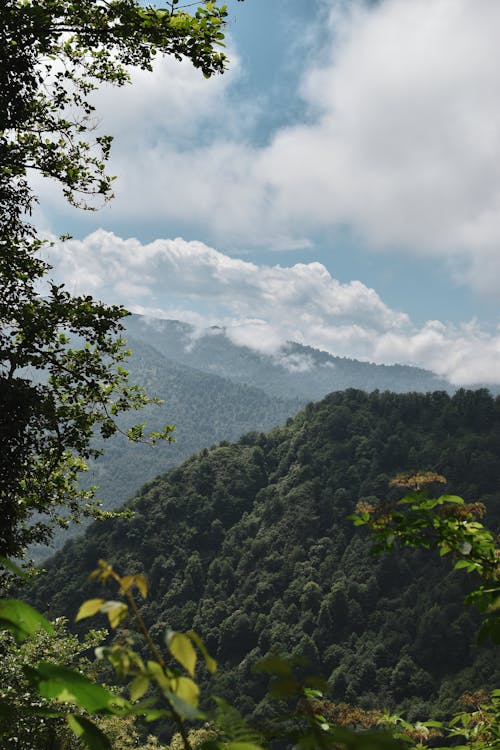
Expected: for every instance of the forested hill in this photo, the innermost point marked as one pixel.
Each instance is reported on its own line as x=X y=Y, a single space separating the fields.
x=205 y=408
x=249 y=543
x=215 y=390
x=295 y=371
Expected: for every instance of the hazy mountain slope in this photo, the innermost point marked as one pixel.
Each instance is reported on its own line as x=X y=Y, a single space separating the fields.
x=296 y=371
x=204 y=408
x=248 y=542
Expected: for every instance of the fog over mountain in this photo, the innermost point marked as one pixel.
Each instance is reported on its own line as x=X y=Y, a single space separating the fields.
x=295 y=371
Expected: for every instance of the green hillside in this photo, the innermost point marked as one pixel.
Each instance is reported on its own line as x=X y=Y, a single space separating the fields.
x=214 y=389
x=204 y=408
x=249 y=543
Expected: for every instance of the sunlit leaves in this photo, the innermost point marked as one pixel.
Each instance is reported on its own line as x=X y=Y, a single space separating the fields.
x=447 y=524
x=139 y=686
x=210 y=663
x=89 y=608
x=186 y=689
x=138 y=581
x=116 y=611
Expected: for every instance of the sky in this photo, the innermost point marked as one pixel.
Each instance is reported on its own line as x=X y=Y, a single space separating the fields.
x=338 y=186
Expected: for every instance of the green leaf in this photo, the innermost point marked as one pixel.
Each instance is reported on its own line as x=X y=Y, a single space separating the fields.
x=22 y=620
x=67 y=686
x=87 y=732
x=142 y=584
x=462 y=564
x=157 y=673
x=452 y=499
x=241 y=746
x=116 y=612
x=89 y=608
x=153 y=714
x=182 y=649
x=181 y=707
x=186 y=689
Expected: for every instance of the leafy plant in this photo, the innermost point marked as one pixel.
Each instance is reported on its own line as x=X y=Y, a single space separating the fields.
x=447 y=524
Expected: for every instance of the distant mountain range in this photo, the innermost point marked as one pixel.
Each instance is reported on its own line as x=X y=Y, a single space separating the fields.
x=296 y=371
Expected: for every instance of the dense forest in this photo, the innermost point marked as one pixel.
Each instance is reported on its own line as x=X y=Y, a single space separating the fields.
x=255 y=544
x=204 y=408
x=213 y=390
x=249 y=543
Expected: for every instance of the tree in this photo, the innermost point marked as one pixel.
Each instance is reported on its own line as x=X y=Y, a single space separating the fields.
x=61 y=377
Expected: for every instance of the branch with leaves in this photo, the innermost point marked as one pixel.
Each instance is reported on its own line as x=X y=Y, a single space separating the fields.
x=445 y=523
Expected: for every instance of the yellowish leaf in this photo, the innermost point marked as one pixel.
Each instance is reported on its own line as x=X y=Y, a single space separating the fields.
x=209 y=661
x=142 y=584
x=116 y=611
x=126 y=583
x=139 y=686
x=186 y=689
x=183 y=650
x=156 y=672
x=89 y=608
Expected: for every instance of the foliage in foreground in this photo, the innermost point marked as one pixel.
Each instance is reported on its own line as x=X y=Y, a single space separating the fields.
x=163 y=685
x=447 y=524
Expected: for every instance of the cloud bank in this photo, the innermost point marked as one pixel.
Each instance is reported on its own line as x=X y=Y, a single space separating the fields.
x=262 y=307
x=398 y=140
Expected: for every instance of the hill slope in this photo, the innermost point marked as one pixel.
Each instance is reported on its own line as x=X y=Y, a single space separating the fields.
x=248 y=543
x=216 y=390
x=204 y=408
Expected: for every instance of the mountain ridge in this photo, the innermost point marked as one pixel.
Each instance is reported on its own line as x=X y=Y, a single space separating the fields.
x=248 y=543
x=296 y=369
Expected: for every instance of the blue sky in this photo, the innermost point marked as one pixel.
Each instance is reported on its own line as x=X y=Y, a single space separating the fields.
x=339 y=185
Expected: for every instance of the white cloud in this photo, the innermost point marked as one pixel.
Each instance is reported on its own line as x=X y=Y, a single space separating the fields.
x=401 y=141
x=405 y=144
x=263 y=307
